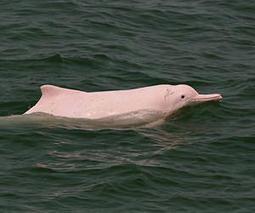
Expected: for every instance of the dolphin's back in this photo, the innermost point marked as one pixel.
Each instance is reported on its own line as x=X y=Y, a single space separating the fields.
x=92 y=105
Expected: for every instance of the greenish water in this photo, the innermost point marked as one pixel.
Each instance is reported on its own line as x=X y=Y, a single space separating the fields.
x=202 y=160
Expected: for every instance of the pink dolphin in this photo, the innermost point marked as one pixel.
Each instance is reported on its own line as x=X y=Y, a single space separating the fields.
x=163 y=99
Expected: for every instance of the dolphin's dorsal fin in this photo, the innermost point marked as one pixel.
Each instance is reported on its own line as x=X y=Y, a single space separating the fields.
x=50 y=90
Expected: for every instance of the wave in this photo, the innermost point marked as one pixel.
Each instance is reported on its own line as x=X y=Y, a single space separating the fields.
x=135 y=119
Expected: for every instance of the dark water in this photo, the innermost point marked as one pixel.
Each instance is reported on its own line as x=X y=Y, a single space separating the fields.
x=200 y=161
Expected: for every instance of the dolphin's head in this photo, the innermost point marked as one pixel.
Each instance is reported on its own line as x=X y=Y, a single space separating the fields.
x=183 y=95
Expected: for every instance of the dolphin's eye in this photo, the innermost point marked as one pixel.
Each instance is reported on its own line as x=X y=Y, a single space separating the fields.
x=183 y=96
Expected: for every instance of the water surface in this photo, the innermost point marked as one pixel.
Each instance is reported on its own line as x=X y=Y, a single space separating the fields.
x=202 y=160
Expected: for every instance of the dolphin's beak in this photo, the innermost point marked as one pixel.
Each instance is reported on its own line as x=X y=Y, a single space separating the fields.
x=204 y=98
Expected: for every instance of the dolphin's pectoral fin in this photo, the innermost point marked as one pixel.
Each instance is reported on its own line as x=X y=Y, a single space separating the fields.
x=50 y=90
